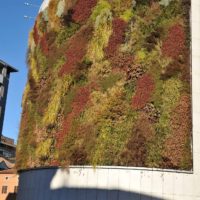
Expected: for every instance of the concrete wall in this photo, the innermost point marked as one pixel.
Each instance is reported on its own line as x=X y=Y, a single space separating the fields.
x=125 y=183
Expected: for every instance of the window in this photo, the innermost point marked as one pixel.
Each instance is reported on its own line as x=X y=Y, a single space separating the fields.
x=4 y=71
x=15 y=189
x=4 y=189
x=1 y=91
x=1 y=69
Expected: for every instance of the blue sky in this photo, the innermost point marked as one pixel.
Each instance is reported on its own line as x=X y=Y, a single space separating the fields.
x=14 y=30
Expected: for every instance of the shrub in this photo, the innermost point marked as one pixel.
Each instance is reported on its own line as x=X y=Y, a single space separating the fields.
x=171 y=70
x=76 y=50
x=135 y=152
x=170 y=97
x=43 y=150
x=117 y=37
x=175 y=42
x=165 y=2
x=54 y=20
x=152 y=112
x=25 y=94
x=34 y=70
x=101 y=34
x=110 y=81
x=60 y=8
x=82 y=10
x=127 y=15
x=59 y=89
x=66 y=33
x=177 y=151
x=170 y=94
x=31 y=43
x=144 y=88
x=126 y=63
x=101 y=6
x=99 y=69
x=41 y=61
x=119 y=6
x=78 y=104
x=112 y=136
x=78 y=156
x=36 y=35
x=44 y=45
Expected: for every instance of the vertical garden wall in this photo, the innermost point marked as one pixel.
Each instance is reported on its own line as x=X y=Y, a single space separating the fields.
x=108 y=84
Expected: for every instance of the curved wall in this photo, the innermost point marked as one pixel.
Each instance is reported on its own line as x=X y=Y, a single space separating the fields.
x=86 y=183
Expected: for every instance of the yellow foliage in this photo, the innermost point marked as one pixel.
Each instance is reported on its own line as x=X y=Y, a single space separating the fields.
x=101 y=5
x=60 y=88
x=31 y=42
x=99 y=69
x=33 y=68
x=43 y=149
x=171 y=93
x=102 y=32
x=120 y=5
x=26 y=91
x=127 y=15
x=54 y=20
x=102 y=102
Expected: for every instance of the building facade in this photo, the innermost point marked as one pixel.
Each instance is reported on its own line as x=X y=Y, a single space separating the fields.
x=8 y=184
x=7 y=146
x=5 y=70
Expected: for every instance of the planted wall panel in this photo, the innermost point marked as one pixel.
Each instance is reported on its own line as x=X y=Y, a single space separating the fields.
x=108 y=84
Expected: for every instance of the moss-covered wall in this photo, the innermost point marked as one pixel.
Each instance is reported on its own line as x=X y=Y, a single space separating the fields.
x=108 y=84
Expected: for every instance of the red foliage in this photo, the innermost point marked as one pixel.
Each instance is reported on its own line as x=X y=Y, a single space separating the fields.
x=54 y=163
x=126 y=63
x=78 y=106
x=176 y=150
x=117 y=37
x=82 y=10
x=136 y=148
x=44 y=44
x=76 y=51
x=36 y=35
x=144 y=88
x=122 y=61
x=175 y=41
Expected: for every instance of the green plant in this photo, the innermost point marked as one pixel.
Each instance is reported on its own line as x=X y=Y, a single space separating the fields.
x=66 y=33
x=58 y=91
x=110 y=81
x=101 y=6
x=43 y=150
x=101 y=34
x=127 y=15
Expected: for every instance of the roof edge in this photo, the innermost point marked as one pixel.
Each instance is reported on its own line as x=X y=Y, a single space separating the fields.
x=11 y=68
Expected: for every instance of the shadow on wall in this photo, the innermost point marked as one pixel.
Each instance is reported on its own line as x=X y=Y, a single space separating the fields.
x=98 y=194
x=11 y=196
x=67 y=186
x=58 y=184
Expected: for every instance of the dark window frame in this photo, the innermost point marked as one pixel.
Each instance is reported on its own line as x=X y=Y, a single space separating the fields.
x=4 y=189
x=15 y=189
